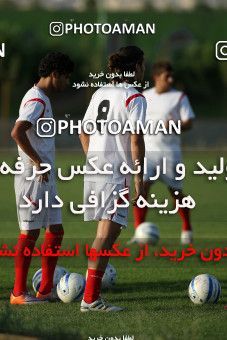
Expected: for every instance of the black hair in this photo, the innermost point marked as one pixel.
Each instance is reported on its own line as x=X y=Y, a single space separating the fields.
x=160 y=67
x=55 y=61
x=125 y=59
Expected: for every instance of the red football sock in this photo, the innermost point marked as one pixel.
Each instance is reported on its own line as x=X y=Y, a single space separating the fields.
x=93 y=285
x=139 y=215
x=22 y=263
x=52 y=241
x=185 y=216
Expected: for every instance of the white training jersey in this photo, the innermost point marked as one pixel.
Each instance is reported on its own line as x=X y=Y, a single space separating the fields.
x=35 y=105
x=173 y=105
x=114 y=103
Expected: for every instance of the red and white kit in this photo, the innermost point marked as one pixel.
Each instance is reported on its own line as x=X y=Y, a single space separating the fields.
x=120 y=104
x=35 y=105
x=171 y=105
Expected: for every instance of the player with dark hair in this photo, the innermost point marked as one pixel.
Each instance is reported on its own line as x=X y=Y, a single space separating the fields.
x=166 y=103
x=58 y=62
x=118 y=102
x=54 y=70
x=163 y=68
x=125 y=60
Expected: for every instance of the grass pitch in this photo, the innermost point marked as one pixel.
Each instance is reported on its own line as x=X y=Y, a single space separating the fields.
x=153 y=291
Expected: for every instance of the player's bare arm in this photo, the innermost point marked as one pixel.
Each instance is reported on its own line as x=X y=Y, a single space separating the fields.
x=84 y=139
x=19 y=135
x=138 y=153
x=186 y=125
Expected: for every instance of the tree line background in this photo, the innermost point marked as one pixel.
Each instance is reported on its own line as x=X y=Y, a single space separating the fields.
x=187 y=39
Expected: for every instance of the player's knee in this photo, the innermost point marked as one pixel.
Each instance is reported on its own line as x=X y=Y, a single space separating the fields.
x=110 y=238
x=110 y=233
x=56 y=228
x=176 y=193
x=34 y=234
x=147 y=186
x=106 y=242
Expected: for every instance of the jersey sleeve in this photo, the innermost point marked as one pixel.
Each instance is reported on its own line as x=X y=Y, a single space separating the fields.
x=32 y=110
x=136 y=106
x=185 y=109
x=89 y=114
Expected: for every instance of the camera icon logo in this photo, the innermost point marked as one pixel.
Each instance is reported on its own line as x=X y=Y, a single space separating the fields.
x=56 y=28
x=46 y=127
x=221 y=50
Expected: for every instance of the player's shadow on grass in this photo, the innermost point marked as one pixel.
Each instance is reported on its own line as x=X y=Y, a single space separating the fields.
x=5 y=294
x=148 y=299
x=159 y=290
x=4 y=298
x=165 y=286
x=158 y=286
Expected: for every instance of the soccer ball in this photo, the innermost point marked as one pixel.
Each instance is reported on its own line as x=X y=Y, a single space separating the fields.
x=204 y=288
x=58 y=273
x=147 y=232
x=71 y=287
x=109 y=277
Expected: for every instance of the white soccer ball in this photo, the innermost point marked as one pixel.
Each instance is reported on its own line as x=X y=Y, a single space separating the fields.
x=204 y=288
x=58 y=273
x=109 y=277
x=71 y=287
x=147 y=232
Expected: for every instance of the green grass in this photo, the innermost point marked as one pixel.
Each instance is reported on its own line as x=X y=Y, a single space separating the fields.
x=154 y=291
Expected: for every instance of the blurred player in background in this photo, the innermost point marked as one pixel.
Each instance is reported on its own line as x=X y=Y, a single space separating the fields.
x=120 y=103
x=166 y=103
x=54 y=71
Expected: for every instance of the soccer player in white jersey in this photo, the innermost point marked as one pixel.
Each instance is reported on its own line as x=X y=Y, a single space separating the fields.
x=122 y=103
x=54 y=71
x=166 y=103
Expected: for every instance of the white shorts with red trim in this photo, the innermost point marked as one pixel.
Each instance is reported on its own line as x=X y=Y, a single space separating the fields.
x=35 y=191
x=155 y=158
x=99 y=213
